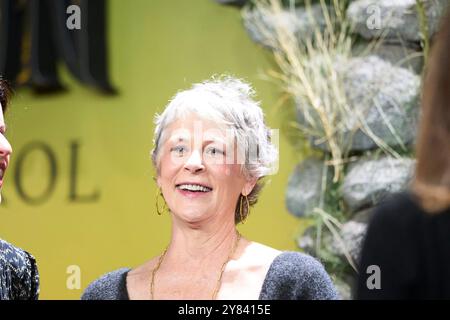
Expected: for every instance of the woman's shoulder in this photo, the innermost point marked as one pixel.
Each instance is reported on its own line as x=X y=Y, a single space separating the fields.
x=398 y=208
x=14 y=257
x=397 y=217
x=20 y=268
x=295 y=275
x=110 y=286
x=298 y=265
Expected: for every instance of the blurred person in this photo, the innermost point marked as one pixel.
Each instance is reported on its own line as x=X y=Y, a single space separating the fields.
x=19 y=277
x=408 y=238
x=209 y=178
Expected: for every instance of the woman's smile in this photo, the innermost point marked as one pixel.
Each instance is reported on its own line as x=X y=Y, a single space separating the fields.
x=193 y=190
x=193 y=194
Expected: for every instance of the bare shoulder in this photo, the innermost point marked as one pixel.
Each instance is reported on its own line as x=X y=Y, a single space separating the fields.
x=246 y=274
x=256 y=250
x=257 y=256
x=143 y=271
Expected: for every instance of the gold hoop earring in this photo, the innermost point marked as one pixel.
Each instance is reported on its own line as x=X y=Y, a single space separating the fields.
x=159 y=193
x=241 y=214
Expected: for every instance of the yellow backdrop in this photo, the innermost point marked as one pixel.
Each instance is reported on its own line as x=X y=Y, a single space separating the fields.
x=103 y=216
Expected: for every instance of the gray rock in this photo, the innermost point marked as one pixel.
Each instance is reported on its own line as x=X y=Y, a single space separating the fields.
x=304 y=187
x=386 y=98
x=393 y=20
x=352 y=235
x=369 y=181
x=397 y=54
x=384 y=101
x=307 y=241
x=262 y=27
x=363 y=216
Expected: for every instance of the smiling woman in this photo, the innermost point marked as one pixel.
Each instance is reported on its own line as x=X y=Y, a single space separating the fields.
x=19 y=278
x=211 y=152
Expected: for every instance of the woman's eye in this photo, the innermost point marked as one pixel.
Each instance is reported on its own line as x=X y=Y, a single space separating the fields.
x=214 y=151
x=178 y=150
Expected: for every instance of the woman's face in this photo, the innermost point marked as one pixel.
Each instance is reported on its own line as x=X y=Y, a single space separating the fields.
x=198 y=170
x=5 y=149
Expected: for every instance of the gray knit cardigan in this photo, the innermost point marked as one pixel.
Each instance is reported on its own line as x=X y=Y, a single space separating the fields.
x=291 y=276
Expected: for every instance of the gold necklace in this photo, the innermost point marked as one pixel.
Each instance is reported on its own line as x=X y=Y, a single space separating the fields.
x=219 y=280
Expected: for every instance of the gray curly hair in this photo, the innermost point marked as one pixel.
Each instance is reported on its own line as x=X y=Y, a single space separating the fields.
x=228 y=101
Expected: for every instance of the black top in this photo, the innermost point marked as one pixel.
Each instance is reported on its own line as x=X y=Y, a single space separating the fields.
x=291 y=276
x=19 y=277
x=412 y=250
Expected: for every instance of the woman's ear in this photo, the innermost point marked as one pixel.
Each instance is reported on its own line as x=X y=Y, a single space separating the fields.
x=248 y=186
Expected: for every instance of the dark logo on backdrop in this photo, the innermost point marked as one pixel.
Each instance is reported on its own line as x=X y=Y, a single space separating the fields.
x=36 y=35
x=53 y=162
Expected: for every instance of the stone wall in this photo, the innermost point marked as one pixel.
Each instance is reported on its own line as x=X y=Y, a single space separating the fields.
x=382 y=81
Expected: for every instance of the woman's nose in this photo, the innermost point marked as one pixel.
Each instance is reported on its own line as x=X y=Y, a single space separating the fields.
x=5 y=147
x=194 y=163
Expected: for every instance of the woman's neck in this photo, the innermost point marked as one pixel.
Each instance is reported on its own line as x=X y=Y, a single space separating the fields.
x=195 y=244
